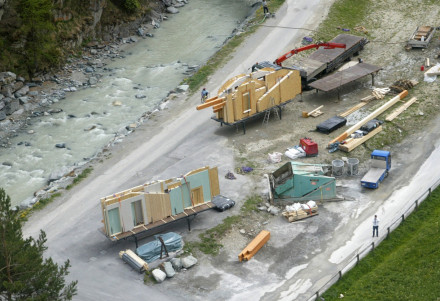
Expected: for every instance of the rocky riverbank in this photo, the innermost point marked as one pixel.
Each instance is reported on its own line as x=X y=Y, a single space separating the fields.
x=25 y=100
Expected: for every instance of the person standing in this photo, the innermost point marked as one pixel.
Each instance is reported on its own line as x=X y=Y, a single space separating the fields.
x=204 y=95
x=265 y=8
x=376 y=226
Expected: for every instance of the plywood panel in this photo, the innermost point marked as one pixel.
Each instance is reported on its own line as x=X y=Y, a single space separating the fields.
x=213 y=182
x=238 y=108
x=229 y=109
x=253 y=98
x=176 y=201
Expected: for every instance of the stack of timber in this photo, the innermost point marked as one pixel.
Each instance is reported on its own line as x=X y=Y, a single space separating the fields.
x=133 y=260
x=254 y=246
x=400 y=109
x=371 y=116
x=298 y=211
x=154 y=203
x=246 y=95
x=402 y=85
x=351 y=143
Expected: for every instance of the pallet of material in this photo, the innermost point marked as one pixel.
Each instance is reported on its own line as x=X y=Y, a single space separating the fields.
x=400 y=109
x=351 y=143
x=300 y=214
x=421 y=37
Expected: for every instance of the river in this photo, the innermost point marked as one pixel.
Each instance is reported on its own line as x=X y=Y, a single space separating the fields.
x=90 y=120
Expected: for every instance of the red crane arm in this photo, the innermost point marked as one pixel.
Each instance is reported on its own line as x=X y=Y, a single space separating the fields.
x=284 y=57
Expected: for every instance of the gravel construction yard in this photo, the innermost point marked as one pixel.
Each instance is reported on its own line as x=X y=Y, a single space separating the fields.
x=299 y=257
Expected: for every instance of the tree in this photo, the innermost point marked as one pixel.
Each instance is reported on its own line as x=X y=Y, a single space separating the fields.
x=24 y=273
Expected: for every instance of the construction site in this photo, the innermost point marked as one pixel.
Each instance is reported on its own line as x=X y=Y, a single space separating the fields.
x=293 y=148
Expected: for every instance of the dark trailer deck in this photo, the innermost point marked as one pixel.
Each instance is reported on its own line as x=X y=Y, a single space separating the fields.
x=343 y=77
x=323 y=61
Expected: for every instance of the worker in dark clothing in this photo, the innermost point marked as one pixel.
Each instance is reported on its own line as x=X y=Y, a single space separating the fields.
x=204 y=95
x=255 y=67
x=265 y=8
x=375 y=226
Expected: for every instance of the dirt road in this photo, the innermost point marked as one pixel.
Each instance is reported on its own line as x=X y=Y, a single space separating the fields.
x=299 y=257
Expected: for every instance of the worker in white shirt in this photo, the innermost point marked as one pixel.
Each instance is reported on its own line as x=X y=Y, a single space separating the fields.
x=376 y=226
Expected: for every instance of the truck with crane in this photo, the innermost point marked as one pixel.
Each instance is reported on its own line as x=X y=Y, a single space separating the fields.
x=271 y=85
x=380 y=165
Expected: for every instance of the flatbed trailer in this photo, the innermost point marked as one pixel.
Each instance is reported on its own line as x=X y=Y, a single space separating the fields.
x=323 y=61
x=152 y=228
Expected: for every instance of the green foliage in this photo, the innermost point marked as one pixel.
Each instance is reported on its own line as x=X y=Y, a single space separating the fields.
x=80 y=177
x=40 y=49
x=343 y=14
x=132 y=5
x=24 y=272
x=405 y=266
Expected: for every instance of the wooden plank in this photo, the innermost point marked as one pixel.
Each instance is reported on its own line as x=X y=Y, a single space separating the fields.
x=315 y=110
x=353 y=143
x=373 y=115
x=211 y=103
x=353 y=109
x=400 y=109
x=229 y=115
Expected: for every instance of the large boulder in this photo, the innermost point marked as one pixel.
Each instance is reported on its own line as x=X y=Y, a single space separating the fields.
x=177 y=264
x=2 y=115
x=182 y=88
x=11 y=106
x=168 y=267
x=158 y=275
x=7 y=90
x=21 y=92
x=172 y=10
x=58 y=174
x=188 y=261
x=7 y=77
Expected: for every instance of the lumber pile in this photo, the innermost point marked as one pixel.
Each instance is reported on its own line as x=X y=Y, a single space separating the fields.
x=299 y=211
x=351 y=143
x=402 y=84
x=255 y=245
x=400 y=109
x=133 y=260
x=377 y=93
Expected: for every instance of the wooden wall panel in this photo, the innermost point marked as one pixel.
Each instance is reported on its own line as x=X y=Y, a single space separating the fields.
x=214 y=182
x=229 y=109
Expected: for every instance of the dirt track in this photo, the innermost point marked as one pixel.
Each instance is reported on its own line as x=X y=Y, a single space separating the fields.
x=300 y=257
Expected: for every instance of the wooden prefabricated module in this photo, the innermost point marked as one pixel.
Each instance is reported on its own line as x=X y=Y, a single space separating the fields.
x=351 y=143
x=248 y=94
x=373 y=115
x=400 y=109
x=256 y=244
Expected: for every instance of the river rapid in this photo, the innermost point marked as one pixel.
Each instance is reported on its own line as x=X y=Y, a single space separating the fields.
x=89 y=119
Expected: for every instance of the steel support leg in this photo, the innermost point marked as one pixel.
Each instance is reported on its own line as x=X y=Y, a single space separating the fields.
x=136 y=241
x=244 y=128
x=189 y=224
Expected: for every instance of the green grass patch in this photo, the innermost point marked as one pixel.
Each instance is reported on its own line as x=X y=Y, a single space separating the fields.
x=344 y=14
x=406 y=266
x=210 y=239
x=80 y=177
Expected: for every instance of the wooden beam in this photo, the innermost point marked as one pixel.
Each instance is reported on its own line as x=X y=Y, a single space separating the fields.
x=219 y=106
x=373 y=115
x=353 y=109
x=400 y=109
x=314 y=111
x=210 y=103
x=352 y=143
